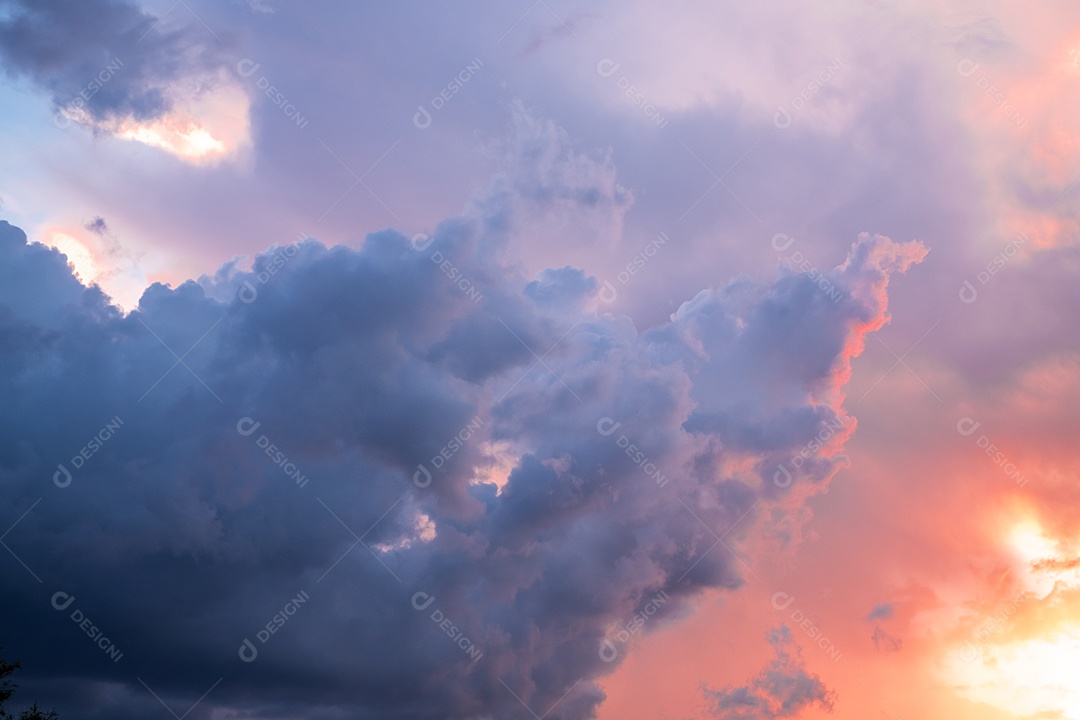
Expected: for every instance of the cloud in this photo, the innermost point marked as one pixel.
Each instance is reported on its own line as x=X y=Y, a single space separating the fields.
x=65 y=46
x=885 y=642
x=98 y=226
x=560 y=30
x=111 y=66
x=883 y=611
x=782 y=689
x=447 y=499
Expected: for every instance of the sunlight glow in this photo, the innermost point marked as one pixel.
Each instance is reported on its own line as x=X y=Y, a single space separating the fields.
x=191 y=142
x=78 y=255
x=1025 y=662
x=208 y=120
x=501 y=459
x=1027 y=677
x=1046 y=564
x=423 y=530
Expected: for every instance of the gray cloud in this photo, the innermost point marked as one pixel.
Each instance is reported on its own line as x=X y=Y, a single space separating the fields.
x=98 y=226
x=884 y=642
x=107 y=57
x=882 y=611
x=180 y=536
x=782 y=689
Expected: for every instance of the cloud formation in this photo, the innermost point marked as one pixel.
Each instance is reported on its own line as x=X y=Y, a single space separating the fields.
x=241 y=456
x=782 y=689
x=110 y=66
x=106 y=57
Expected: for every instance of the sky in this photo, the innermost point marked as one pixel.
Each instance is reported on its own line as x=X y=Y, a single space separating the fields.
x=550 y=360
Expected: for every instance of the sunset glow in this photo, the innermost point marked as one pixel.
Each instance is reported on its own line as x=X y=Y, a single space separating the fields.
x=78 y=255
x=1028 y=677
x=192 y=143
x=603 y=360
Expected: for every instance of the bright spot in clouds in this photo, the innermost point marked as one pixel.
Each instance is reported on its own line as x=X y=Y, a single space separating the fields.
x=423 y=530
x=194 y=143
x=208 y=122
x=1027 y=677
x=1025 y=654
x=78 y=255
x=1045 y=567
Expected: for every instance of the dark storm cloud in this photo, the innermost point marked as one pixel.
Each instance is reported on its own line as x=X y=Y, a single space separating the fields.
x=108 y=58
x=301 y=448
x=782 y=689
